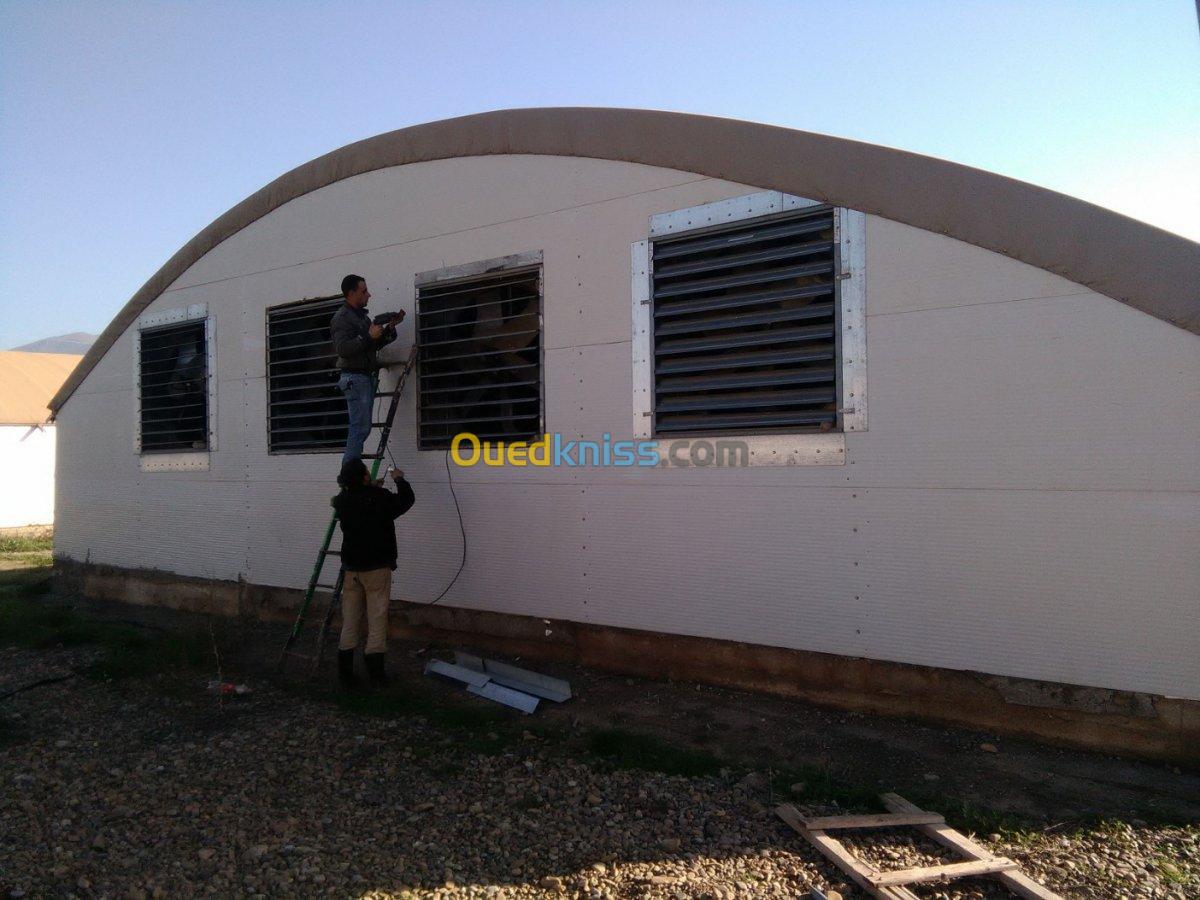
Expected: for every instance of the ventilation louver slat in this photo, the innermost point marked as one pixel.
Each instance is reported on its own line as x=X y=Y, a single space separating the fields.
x=480 y=358
x=745 y=328
x=305 y=410
x=173 y=387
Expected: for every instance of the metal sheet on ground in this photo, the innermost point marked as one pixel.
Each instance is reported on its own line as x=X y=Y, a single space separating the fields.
x=507 y=696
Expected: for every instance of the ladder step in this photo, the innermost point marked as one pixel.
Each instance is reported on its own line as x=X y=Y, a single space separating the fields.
x=331 y=587
x=378 y=424
x=333 y=552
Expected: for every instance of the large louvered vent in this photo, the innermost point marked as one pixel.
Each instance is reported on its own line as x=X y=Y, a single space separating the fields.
x=745 y=328
x=306 y=410
x=481 y=368
x=173 y=386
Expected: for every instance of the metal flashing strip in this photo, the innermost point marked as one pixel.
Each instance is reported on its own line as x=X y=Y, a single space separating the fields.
x=643 y=339
x=458 y=673
x=529 y=259
x=850 y=228
x=517 y=700
x=481 y=683
x=724 y=212
x=173 y=316
x=544 y=686
x=185 y=461
x=827 y=449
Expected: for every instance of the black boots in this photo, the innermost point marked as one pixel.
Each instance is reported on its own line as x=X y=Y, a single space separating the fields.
x=374 y=663
x=349 y=681
x=346 y=677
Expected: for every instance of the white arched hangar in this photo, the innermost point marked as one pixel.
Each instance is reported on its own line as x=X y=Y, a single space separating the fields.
x=968 y=408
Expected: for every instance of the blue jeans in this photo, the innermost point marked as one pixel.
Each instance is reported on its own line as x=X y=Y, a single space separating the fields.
x=360 y=402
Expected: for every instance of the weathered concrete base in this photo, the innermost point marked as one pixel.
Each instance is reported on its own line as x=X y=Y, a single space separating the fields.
x=1109 y=721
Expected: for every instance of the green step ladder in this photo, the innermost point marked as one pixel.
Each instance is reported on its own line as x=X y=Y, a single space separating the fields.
x=314 y=581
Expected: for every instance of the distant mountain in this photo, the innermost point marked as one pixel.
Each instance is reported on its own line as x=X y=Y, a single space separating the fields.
x=75 y=342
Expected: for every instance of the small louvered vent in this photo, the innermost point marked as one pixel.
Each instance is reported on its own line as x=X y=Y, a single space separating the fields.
x=173 y=381
x=306 y=410
x=480 y=357
x=745 y=335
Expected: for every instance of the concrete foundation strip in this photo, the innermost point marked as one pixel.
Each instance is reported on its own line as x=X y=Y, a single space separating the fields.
x=890 y=884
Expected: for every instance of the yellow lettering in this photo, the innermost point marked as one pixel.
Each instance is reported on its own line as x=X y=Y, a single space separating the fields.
x=516 y=453
x=544 y=446
x=461 y=438
x=493 y=460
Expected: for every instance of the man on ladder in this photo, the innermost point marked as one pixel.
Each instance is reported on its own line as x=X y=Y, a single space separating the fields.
x=366 y=513
x=356 y=339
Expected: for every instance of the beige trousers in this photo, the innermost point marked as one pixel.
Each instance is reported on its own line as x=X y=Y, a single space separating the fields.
x=366 y=595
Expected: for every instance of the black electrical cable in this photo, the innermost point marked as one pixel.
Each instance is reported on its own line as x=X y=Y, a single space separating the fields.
x=461 y=527
x=458 y=509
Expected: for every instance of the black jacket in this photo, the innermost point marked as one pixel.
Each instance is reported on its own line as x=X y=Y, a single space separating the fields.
x=352 y=342
x=366 y=515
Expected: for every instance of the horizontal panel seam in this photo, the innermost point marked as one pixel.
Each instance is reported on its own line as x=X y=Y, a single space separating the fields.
x=901 y=312
x=549 y=212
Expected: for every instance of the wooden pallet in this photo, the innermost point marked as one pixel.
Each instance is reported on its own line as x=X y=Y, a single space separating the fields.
x=890 y=885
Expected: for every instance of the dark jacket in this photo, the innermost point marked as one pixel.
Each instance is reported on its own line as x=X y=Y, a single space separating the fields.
x=352 y=342
x=366 y=515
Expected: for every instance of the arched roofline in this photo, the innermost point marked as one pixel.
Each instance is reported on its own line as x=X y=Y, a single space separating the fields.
x=1145 y=267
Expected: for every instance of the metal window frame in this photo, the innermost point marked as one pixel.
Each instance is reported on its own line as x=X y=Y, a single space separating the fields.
x=288 y=451
x=176 y=460
x=514 y=263
x=849 y=317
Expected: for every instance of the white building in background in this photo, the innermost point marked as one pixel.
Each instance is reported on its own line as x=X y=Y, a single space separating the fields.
x=27 y=382
x=969 y=407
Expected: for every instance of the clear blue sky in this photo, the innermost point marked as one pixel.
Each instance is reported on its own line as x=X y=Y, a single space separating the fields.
x=125 y=128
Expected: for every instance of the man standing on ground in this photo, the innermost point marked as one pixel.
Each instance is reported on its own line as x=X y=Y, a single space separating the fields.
x=355 y=341
x=366 y=512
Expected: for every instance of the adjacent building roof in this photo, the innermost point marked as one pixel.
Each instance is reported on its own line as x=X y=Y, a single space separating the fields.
x=76 y=342
x=28 y=381
x=1148 y=268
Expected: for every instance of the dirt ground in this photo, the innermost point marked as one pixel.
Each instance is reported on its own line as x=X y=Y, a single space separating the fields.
x=687 y=776
x=1030 y=781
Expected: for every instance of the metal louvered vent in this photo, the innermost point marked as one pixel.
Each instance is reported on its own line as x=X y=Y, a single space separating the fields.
x=745 y=328
x=173 y=385
x=481 y=358
x=305 y=409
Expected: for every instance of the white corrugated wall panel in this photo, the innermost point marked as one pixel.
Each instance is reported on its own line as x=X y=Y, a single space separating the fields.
x=1025 y=501
x=392 y=207
x=1076 y=392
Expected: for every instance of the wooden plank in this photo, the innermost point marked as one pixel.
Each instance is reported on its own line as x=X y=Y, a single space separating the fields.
x=833 y=850
x=1014 y=879
x=882 y=820
x=950 y=870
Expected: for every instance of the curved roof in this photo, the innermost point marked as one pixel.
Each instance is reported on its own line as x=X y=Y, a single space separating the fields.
x=1148 y=268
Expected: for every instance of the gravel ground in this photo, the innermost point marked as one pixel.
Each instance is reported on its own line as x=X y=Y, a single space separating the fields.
x=148 y=788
